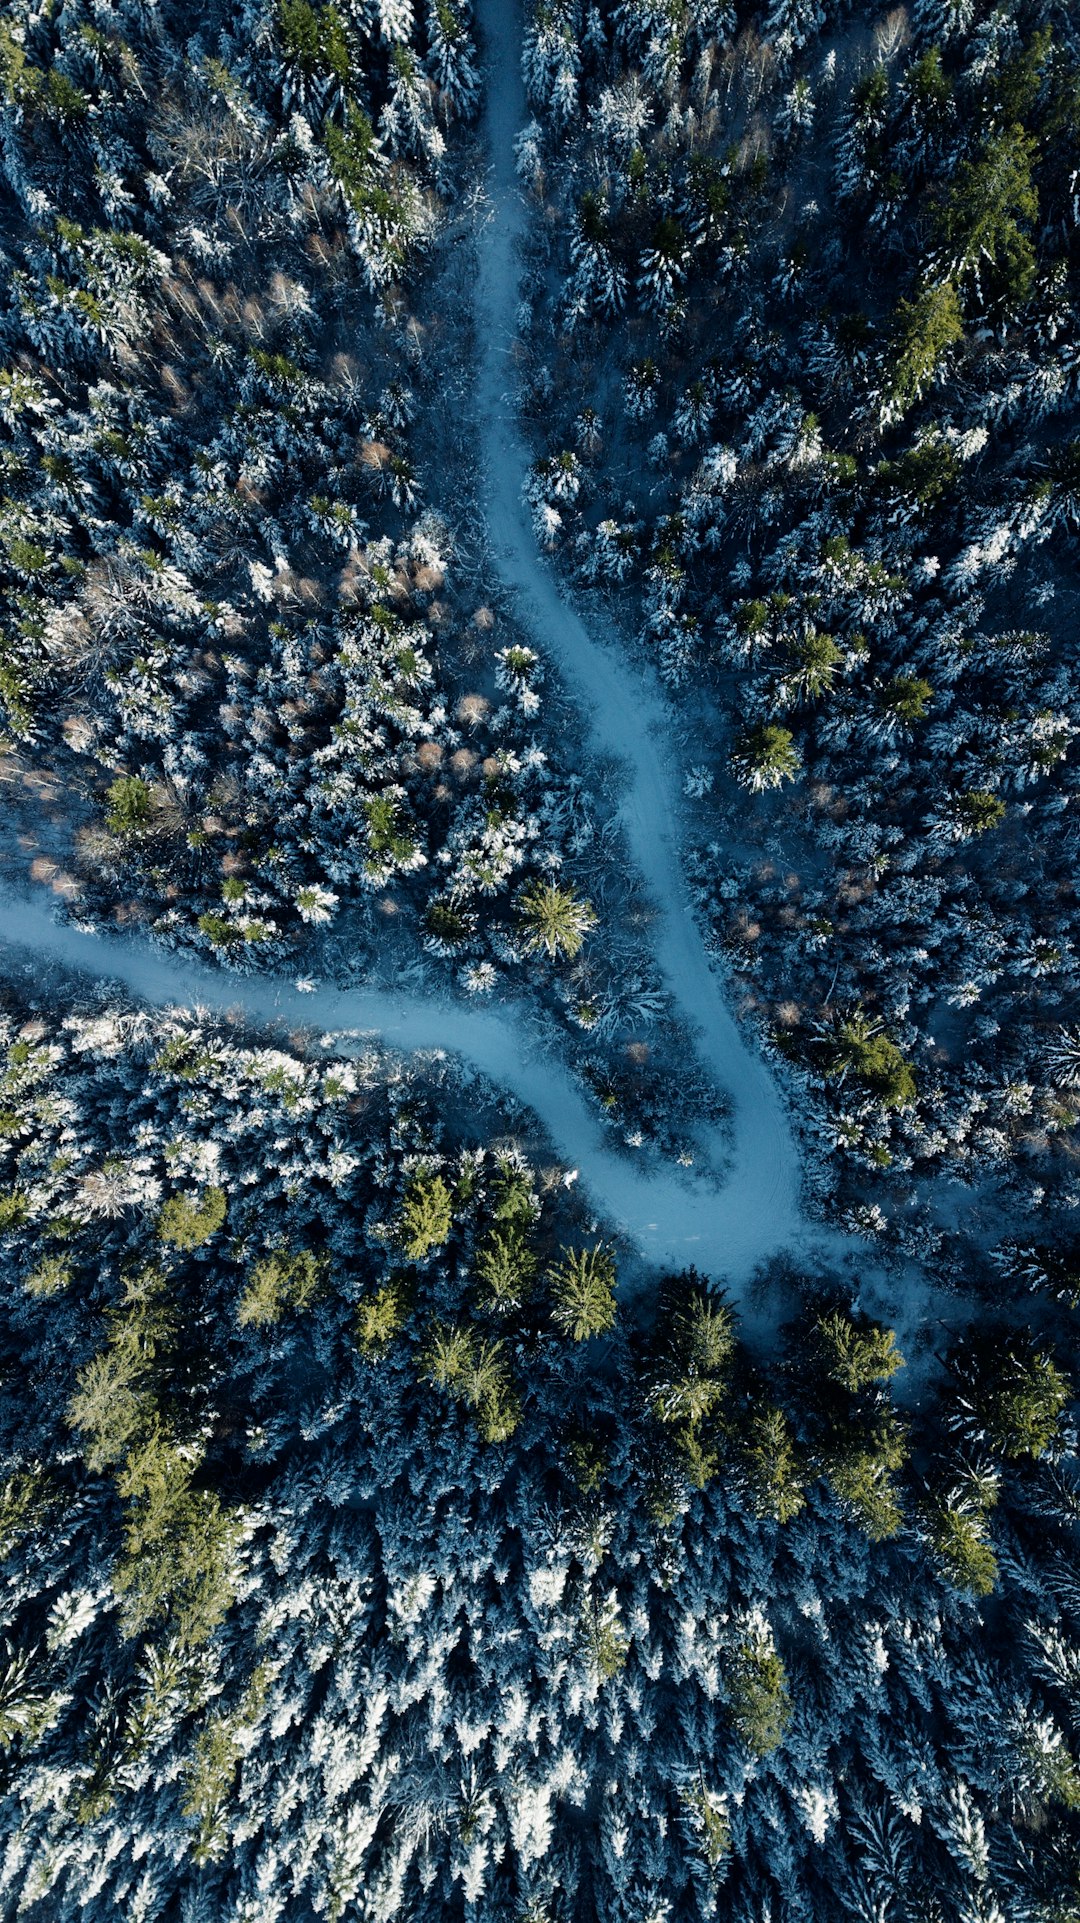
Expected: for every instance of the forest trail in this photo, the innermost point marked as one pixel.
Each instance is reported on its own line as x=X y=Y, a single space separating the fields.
x=629 y=719
x=672 y=1216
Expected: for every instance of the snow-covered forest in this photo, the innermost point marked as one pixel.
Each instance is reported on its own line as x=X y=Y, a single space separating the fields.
x=566 y=520
x=365 y=1558
x=805 y=352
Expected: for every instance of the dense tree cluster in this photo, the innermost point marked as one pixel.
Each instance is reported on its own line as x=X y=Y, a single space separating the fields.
x=805 y=342
x=354 y=1544
x=229 y=620
x=379 y=1538
x=245 y=628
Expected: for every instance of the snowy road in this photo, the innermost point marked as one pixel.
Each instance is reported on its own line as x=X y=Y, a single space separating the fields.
x=669 y=1214
x=629 y=720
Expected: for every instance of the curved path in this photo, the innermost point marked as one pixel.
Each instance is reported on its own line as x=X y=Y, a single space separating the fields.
x=670 y=1216
x=628 y=720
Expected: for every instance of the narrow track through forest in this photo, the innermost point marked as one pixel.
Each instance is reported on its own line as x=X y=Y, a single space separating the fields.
x=727 y=1223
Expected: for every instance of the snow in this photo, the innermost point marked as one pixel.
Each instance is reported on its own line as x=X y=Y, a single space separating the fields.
x=727 y=1229
x=629 y=719
x=670 y=1217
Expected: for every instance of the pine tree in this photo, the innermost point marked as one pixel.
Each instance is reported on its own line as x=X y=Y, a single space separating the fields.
x=382 y=1316
x=854 y=1355
x=426 y=1215
x=757 y=1688
x=474 y=1371
x=764 y=757
x=1013 y=1395
x=451 y=57
x=770 y=1463
x=696 y=1340
x=313 y=38
x=856 y=1045
x=923 y=331
x=186 y=1224
x=281 y=1281
x=957 y=1537
x=506 y=1270
x=554 y=921
x=860 y=1458
x=987 y=217
x=128 y=809
x=664 y=263
x=582 y=1287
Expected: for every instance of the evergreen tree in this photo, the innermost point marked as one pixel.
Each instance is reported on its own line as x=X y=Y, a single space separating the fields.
x=856 y=1045
x=426 y=1215
x=770 y=1463
x=554 y=921
x=958 y=1538
x=854 y=1355
x=987 y=217
x=128 y=809
x=582 y=1288
x=757 y=1688
x=186 y=1224
x=382 y=1316
x=924 y=330
x=765 y=757
x=1012 y=1395
x=280 y=1281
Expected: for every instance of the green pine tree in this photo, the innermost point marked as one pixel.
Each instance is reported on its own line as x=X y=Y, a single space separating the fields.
x=426 y=1215
x=186 y=1224
x=924 y=329
x=582 y=1289
x=855 y=1354
x=765 y=757
x=554 y=921
x=758 y=1693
